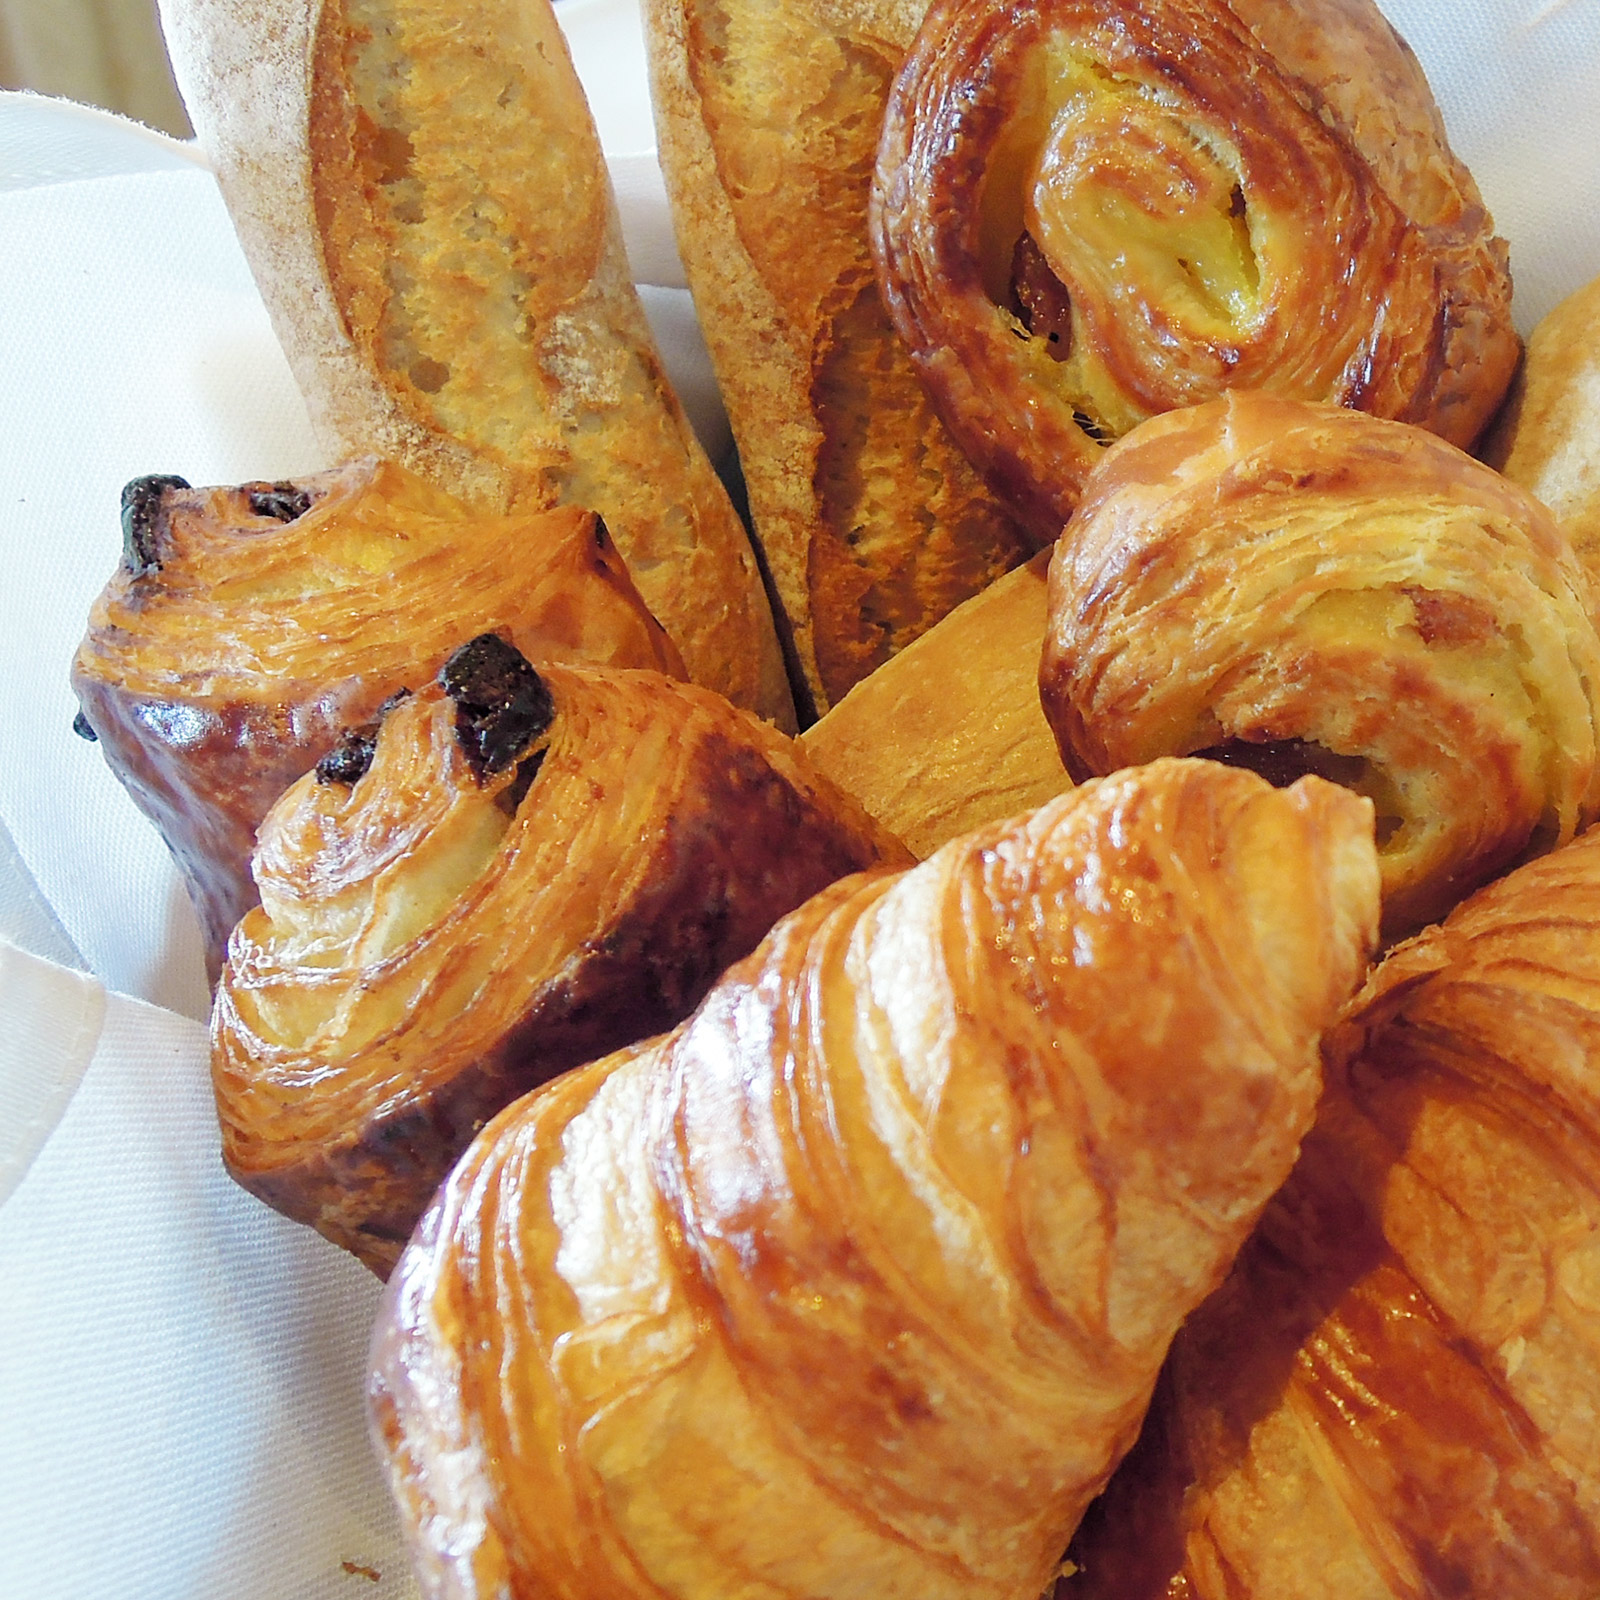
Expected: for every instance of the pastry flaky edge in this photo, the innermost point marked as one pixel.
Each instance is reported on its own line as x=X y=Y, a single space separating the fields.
x=857 y=1282
x=871 y=521
x=1395 y=1394
x=422 y=198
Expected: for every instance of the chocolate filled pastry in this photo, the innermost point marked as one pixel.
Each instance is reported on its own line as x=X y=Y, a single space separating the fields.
x=247 y=627
x=420 y=192
x=857 y=1282
x=1301 y=588
x=872 y=522
x=1394 y=1395
x=949 y=734
x=1087 y=212
x=517 y=871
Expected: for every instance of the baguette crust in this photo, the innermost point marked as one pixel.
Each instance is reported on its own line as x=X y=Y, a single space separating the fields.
x=872 y=523
x=427 y=213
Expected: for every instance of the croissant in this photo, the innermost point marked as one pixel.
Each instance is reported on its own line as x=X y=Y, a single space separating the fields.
x=1394 y=1395
x=516 y=872
x=1300 y=588
x=1087 y=212
x=871 y=521
x=419 y=190
x=949 y=734
x=857 y=1282
x=246 y=628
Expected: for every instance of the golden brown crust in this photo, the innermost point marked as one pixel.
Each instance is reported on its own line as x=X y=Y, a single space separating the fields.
x=949 y=734
x=1087 y=212
x=1305 y=588
x=248 y=627
x=438 y=933
x=832 y=1292
x=1548 y=437
x=1394 y=1394
x=423 y=202
x=871 y=521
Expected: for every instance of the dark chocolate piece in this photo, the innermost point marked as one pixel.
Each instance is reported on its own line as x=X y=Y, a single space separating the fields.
x=502 y=704
x=141 y=518
x=84 y=730
x=285 y=501
x=348 y=761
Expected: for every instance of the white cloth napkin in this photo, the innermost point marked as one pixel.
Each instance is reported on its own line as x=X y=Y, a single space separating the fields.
x=180 y=1369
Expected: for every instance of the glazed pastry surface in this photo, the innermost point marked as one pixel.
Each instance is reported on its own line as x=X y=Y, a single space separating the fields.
x=856 y=1283
x=515 y=872
x=246 y=627
x=1300 y=588
x=1394 y=1395
x=1087 y=212
x=420 y=192
x=872 y=523
x=949 y=734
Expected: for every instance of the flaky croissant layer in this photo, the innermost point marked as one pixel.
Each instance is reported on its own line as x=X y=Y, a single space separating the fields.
x=856 y=1284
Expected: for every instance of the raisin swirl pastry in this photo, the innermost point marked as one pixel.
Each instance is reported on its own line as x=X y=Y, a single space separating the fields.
x=1296 y=588
x=1087 y=212
x=857 y=1282
x=517 y=871
x=420 y=192
x=1394 y=1395
x=247 y=627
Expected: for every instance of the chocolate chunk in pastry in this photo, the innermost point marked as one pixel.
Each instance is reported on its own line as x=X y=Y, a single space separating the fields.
x=518 y=871
x=1394 y=1395
x=247 y=627
x=872 y=523
x=857 y=1282
x=419 y=189
x=1087 y=212
x=1302 y=588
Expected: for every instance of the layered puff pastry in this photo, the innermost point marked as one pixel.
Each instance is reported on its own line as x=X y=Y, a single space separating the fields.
x=1303 y=588
x=420 y=192
x=516 y=871
x=246 y=627
x=949 y=734
x=1087 y=212
x=1548 y=436
x=871 y=521
x=1396 y=1396
x=857 y=1282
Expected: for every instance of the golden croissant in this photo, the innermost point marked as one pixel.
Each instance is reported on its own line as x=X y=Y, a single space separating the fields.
x=516 y=871
x=1087 y=212
x=857 y=1282
x=1302 y=588
x=245 y=628
x=1394 y=1397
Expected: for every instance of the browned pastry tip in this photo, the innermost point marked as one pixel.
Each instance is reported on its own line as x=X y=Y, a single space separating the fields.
x=1393 y=1397
x=1087 y=212
x=247 y=626
x=857 y=1281
x=871 y=521
x=517 y=871
x=421 y=195
x=1304 y=588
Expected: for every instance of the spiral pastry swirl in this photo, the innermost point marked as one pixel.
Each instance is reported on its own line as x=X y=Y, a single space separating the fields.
x=1301 y=588
x=1087 y=212
x=516 y=871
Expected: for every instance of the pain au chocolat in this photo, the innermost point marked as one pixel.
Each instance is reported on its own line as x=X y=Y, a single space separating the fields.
x=1304 y=588
x=517 y=871
x=856 y=1283
x=419 y=189
x=1394 y=1397
x=1087 y=212
x=245 y=628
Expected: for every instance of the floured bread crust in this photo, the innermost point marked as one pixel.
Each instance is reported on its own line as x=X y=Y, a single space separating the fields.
x=422 y=198
x=871 y=521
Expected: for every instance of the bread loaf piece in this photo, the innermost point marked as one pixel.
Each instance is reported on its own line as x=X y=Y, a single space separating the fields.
x=871 y=521
x=421 y=194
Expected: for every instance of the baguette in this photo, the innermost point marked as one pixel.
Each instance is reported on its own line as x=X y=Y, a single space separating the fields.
x=422 y=198
x=872 y=523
